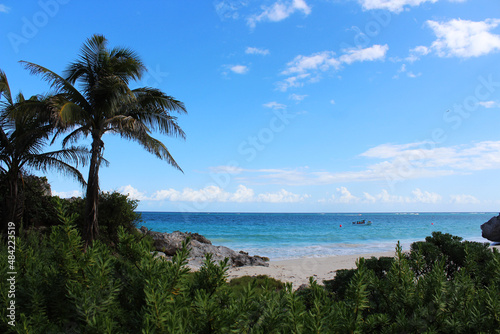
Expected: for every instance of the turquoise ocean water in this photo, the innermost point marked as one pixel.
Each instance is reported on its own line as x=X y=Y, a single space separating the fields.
x=297 y=235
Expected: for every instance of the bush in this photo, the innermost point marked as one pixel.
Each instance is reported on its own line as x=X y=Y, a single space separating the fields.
x=115 y=210
x=60 y=288
x=338 y=285
x=455 y=254
x=260 y=284
x=38 y=208
x=35 y=205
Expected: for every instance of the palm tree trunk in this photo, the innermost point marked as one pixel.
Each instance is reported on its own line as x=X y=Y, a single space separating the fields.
x=92 y=199
x=8 y=204
x=14 y=193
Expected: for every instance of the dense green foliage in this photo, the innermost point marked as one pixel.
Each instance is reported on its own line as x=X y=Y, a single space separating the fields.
x=60 y=288
x=25 y=128
x=39 y=208
x=115 y=210
x=33 y=196
x=260 y=284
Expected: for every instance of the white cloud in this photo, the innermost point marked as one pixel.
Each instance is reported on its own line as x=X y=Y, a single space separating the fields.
x=4 y=9
x=369 y=198
x=239 y=69
x=425 y=196
x=310 y=67
x=293 y=82
x=464 y=38
x=226 y=169
x=229 y=9
x=396 y=162
x=395 y=6
x=279 y=11
x=416 y=160
x=332 y=101
x=463 y=199
x=282 y=196
x=489 y=104
x=417 y=52
x=67 y=194
x=346 y=196
x=404 y=70
x=417 y=196
x=376 y=52
x=243 y=194
x=274 y=105
x=256 y=51
x=413 y=75
x=319 y=61
x=132 y=192
x=385 y=197
x=207 y=194
x=215 y=194
x=297 y=97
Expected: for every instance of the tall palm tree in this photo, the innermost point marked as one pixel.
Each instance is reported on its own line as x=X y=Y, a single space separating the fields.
x=103 y=102
x=22 y=139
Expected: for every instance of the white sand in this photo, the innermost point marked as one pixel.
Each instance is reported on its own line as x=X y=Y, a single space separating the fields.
x=298 y=271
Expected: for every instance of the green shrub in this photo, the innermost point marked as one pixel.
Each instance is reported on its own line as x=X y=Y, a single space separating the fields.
x=62 y=288
x=455 y=254
x=260 y=284
x=36 y=207
x=338 y=285
x=115 y=210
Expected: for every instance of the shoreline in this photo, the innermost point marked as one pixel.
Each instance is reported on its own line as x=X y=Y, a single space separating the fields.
x=298 y=271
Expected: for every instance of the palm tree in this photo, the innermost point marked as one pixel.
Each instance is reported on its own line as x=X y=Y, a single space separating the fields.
x=105 y=103
x=22 y=138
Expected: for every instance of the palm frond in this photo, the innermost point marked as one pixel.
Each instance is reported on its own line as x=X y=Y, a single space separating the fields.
x=76 y=134
x=45 y=162
x=58 y=83
x=4 y=140
x=152 y=145
x=157 y=120
x=90 y=54
x=126 y=64
x=78 y=155
x=36 y=108
x=148 y=97
x=5 y=88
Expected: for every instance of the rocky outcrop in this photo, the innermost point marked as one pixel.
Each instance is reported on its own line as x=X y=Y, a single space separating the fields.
x=491 y=229
x=169 y=243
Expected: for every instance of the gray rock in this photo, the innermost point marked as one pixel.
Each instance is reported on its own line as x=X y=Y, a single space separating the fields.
x=159 y=254
x=303 y=287
x=170 y=243
x=491 y=229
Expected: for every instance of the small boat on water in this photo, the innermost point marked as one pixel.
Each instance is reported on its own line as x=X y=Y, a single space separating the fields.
x=362 y=222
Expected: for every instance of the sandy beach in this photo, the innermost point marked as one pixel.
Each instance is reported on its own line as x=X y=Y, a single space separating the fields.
x=298 y=271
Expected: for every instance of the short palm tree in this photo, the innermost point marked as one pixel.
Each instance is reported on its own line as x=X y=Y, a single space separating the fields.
x=22 y=139
x=103 y=102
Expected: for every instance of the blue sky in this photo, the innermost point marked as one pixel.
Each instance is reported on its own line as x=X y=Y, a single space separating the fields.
x=293 y=105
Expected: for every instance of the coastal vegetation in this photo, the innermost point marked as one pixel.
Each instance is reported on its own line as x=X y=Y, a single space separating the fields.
x=442 y=285
x=25 y=128
x=82 y=267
